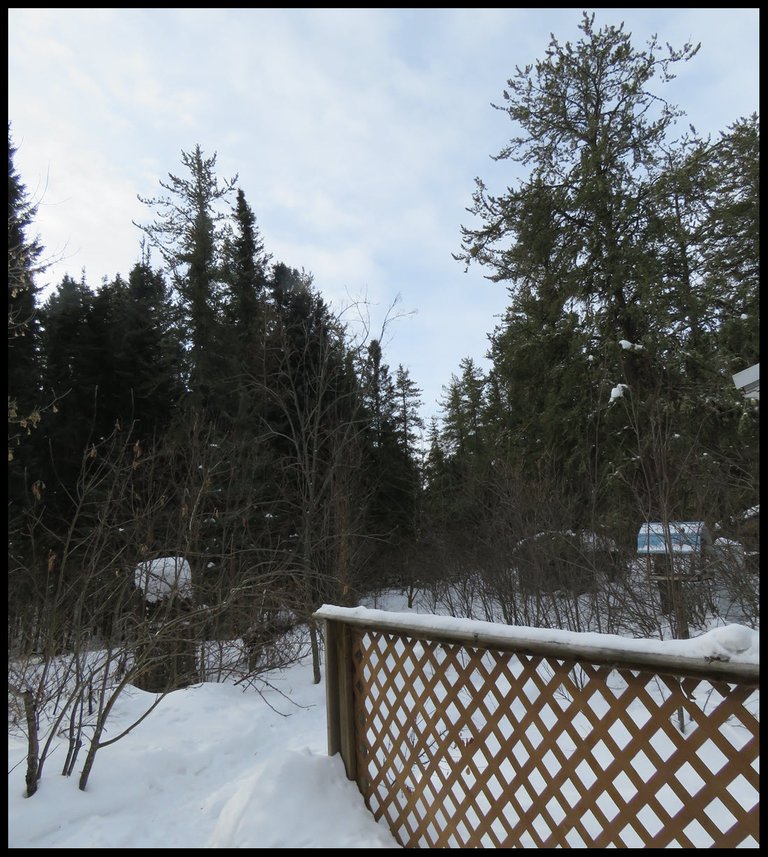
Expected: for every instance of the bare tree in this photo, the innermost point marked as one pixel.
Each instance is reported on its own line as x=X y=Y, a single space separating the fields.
x=81 y=631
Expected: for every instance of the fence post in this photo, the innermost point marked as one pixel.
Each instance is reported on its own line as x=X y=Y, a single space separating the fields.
x=338 y=694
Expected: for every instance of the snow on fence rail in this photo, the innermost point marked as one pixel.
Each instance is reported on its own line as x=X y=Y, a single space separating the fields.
x=463 y=733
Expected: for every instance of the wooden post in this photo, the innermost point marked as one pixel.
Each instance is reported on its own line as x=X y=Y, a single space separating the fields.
x=338 y=694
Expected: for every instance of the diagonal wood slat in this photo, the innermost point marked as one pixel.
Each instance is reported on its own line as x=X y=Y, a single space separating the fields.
x=464 y=746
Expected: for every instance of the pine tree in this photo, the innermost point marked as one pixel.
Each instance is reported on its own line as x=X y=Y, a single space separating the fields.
x=730 y=239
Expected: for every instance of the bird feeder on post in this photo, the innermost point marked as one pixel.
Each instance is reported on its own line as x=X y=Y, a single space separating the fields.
x=676 y=552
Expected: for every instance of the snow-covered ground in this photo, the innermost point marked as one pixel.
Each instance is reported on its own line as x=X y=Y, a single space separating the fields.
x=213 y=766
x=221 y=766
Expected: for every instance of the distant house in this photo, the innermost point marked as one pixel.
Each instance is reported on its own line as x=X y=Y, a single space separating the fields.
x=678 y=548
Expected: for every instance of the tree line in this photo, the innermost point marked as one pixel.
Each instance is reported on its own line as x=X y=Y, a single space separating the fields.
x=630 y=254
x=213 y=407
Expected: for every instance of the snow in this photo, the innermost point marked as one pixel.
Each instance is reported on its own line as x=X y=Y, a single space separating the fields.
x=735 y=643
x=214 y=766
x=630 y=346
x=220 y=765
x=618 y=391
x=159 y=578
x=586 y=539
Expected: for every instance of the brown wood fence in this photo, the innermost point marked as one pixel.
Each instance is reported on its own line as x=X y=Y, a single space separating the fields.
x=461 y=739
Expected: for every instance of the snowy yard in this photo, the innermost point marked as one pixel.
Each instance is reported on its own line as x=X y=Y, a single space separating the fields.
x=214 y=766
x=218 y=765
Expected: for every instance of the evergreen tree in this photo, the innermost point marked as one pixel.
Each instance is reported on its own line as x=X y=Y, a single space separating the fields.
x=70 y=367
x=24 y=251
x=130 y=355
x=545 y=377
x=149 y=358
x=247 y=277
x=407 y=419
x=598 y=246
x=246 y=267
x=378 y=394
x=238 y=524
x=188 y=232
x=730 y=239
x=315 y=427
x=457 y=464
x=111 y=353
x=25 y=396
x=434 y=462
x=463 y=409
x=573 y=234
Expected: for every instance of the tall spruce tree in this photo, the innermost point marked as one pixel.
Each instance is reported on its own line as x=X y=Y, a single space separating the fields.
x=188 y=232
x=463 y=410
x=246 y=268
x=242 y=484
x=408 y=426
x=592 y=133
x=315 y=430
x=150 y=354
x=25 y=396
x=71 y=367
x=392 y=468
x=24 y=251
x=246 y=274
x=379 y=394
x=573 y=243
x=407 y=418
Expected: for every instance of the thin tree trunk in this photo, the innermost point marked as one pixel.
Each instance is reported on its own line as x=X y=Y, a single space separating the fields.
x=314 y=642
x=33 y=744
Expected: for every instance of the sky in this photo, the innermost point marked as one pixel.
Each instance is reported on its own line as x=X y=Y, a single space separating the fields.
x=356 y=135
x=220 y=765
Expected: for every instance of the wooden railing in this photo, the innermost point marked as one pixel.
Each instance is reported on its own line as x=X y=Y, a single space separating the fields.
x=478 y=735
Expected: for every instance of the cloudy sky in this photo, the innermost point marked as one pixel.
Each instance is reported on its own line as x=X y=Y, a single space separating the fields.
x=356 y=134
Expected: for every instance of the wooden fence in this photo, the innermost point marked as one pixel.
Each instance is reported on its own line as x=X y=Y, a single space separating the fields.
x=465 y=739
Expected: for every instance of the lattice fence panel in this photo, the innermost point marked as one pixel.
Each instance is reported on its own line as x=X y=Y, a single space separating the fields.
x=467 y=747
